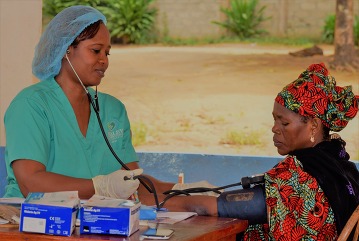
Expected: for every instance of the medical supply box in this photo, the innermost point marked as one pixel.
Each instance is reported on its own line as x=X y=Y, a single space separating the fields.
x=50 y=213
x=104 y=215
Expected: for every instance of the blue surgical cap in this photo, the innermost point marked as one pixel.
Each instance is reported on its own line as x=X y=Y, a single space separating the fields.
x=58 y=36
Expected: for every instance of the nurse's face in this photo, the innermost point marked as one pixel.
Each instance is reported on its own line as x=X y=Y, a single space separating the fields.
x=90 y=57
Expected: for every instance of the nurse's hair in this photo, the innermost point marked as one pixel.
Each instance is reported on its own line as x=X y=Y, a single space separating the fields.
x=88 y=33
x=60 y=33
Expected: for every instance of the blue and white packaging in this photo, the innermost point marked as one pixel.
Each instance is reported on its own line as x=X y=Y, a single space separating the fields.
x=148 y=213
x=104 y=215
x=50 y=213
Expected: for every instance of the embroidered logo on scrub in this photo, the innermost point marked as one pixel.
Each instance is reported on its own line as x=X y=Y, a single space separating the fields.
x=114 y=132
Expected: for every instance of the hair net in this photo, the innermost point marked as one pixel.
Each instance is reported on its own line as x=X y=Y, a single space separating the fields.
x=316 y=94
x=58 y=36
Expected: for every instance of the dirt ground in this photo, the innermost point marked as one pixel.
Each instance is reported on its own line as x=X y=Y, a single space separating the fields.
x=189 y=99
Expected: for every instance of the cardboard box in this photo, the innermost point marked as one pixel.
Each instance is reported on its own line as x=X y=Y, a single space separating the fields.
x=104 y=215
x=50 y=213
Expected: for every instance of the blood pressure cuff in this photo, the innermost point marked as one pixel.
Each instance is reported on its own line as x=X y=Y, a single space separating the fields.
x=248 y=204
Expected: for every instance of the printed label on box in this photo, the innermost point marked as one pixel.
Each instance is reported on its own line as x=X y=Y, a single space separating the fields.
x=36 y=225
x=103 y=215
x=49 y=213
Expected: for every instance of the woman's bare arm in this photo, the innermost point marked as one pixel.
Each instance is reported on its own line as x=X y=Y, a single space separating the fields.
x=201 y=204
x=33 y=177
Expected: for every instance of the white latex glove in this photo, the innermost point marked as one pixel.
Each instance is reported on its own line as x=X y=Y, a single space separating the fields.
x=114 y=185
x=182 y=186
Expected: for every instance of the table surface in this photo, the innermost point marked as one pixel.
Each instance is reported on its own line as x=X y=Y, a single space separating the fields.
x=198 y=228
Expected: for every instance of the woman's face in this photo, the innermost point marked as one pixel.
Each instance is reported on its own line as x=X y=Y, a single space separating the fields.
x=290 y=131
x=90 y=57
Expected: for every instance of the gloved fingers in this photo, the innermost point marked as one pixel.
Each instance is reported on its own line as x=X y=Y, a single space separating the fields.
x=130 y=174
x=114 y=184
x=133 y=185
x=137 y=172
x=121 y=188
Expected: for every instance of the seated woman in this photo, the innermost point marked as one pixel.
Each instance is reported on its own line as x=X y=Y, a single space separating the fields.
x=312 y=192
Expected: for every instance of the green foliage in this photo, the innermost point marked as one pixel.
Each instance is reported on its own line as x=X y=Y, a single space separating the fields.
x=329 y=28
x=356 y=30
x=242 y=138
x=139 y=134
x=129 y=21
x=53 y=7
x=243 y=18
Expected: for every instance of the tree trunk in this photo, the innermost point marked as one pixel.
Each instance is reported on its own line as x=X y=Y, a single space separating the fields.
x=345 y=57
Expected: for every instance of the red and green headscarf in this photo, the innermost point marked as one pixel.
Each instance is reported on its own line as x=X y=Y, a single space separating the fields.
x=315 y=94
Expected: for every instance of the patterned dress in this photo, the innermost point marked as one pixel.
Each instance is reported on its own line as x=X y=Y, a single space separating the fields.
x=297 y=206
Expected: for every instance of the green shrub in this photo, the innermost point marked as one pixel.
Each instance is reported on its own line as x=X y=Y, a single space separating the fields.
x=52 y=7
x=129 y=21
x=239 y=138
x=356 y=30
x=139 y=133
x=329 y=28
x=243 y=18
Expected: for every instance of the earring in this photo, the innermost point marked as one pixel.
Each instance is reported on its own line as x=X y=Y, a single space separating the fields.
x=312 y=139
x=67 y=51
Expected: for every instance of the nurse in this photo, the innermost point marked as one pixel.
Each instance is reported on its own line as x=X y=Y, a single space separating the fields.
x=64 y=135
x=53 y=140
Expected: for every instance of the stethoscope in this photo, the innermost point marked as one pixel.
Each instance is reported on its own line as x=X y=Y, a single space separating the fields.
x=170 y=193
x=96 y=107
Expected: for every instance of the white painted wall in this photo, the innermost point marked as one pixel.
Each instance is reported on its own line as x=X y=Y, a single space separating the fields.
x=20 y=30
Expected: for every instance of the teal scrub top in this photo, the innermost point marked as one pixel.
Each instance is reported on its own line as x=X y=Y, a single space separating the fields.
x=41 y=125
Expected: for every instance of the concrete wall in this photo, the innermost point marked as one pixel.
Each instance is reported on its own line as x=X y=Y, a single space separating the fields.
x=20 y=29
x=293 y=18
x=189 y=18
x=297 y=18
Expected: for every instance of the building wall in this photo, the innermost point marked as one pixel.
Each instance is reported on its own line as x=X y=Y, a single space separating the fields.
x=189 y=18
x=293 y=18
x=20 y=29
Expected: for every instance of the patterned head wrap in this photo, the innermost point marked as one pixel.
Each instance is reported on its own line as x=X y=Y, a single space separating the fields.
x=315 y=94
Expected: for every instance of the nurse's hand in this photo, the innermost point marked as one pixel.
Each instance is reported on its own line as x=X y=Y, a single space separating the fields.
x=114 y=184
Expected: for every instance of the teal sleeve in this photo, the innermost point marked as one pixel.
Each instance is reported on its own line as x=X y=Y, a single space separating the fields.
x=27 y=131
x=27 y=137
